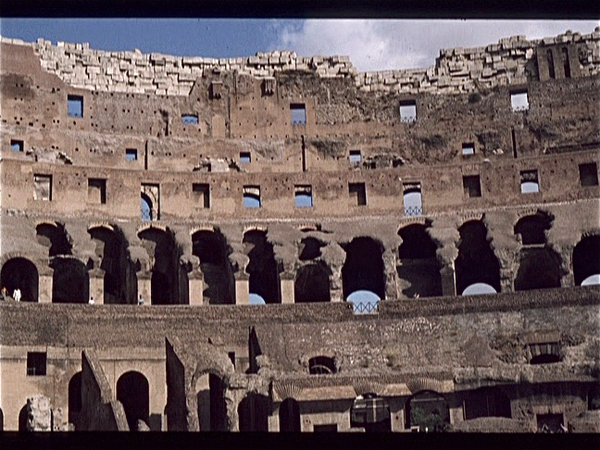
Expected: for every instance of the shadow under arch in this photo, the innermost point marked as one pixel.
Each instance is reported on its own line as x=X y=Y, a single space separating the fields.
x=21 y=273
x=133 y=391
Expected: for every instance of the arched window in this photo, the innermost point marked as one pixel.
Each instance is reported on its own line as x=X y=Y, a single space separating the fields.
x=20 y=273
x=428 y=411
x=23 y=418
x=364 y=302
x=320 y=365
x=133 y=392
x=75 y=399
x=253 y=413
x=212 y=411
x=55 y=237
x=146 y=208
x=289 y=416
x=262 y=268
x=312 y=284
x=586 y=261
x=255 y=299
x=70 y=282
x=210 y=248
x=363 y=268
x=532 y=228
x=478 y=289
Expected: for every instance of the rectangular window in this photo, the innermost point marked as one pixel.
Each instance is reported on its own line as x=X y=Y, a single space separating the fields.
x=408 y=111
x=131 y=154
x=201 y=194
x=298 y=113
x=190 y=119
x=97 y=190
x=519 y=101
x=529 y=182
x=303 y=195
x=413 y=202
x=355 y=156
x=468 y=149
x=472 y=186
x=42 y=187
x=358 y=194
x=16 y=146
x=75 y=106
x=245 y=158
x=36 y=363
x=252 y=197
x=588 y=174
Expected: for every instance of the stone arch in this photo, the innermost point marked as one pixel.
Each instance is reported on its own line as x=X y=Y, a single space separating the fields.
x=54 y=236
x=320 y=365
x=70 y=281
x=169 y=280
x=21 y=273
x=212 y=250
x=310 y=248
x=531 y=229
x=476 y=261
x=120 y=281
x=312 y=284
x=289 y=416
x=428 y=410
x=363 y=268
x=586 y=259
x=418 y=268
x=75 y=399
x=253 y=412
x=133 y=391
x=262 y=268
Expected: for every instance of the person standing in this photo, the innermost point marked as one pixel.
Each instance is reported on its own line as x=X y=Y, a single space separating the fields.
x=17 y=295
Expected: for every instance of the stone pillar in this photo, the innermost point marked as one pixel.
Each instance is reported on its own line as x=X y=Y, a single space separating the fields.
x=448 y=280
x=397 y=417
x=336 y=284
x=97 y=286
x=390 y=274
x=286 y=280
x=45 y=289
x=242 y=288
x=273 y=425
x=144 y=282
x=455 y=406
x=506 y=279
x=196 y=288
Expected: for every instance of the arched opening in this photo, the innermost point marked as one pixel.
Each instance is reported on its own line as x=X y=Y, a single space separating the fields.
x=289 y=416
x=20 y=273
x=312 y=284
x=255 y=299
x=23 y=418
x=321 y=365
x=479 y=289
x=487 y=402
x=253 y=413
x=567 y=65
x=55 y=237
x=310 y=248
x=532 y=228
x=212 y=411
x=586 y=260
x=146 y=208
x=120 y=280
x=539 y=268
x=364 y=301
x=262 y=268
x=75 y=399
x=70 y=282
x=550 y=60
x=371 y=412
x=211 y=248
x=363 y=269
x=428 y=411
x=134 y=393
x=169 y=278
x=476 y=261
x=418 y=268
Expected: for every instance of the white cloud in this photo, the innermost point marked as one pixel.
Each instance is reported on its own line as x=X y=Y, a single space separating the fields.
x=401 y=44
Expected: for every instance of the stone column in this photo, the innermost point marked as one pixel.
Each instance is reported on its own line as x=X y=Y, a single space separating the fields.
x=455 y=407
x=397 y=417
x=273 y=425
x=448 y=280
x=390 y=274
x=97 y=285
x=144 y=282
x=286 y=280
x=196 y=288
x=336 y=284
x=45 y=288
x=242 y=288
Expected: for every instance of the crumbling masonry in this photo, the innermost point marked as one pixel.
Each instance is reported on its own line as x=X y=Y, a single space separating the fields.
x=150 y=201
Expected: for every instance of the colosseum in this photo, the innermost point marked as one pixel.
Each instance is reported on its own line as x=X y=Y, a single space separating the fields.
x=281 y=243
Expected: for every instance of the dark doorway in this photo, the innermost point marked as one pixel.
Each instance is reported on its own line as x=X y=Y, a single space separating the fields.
x=70 y=282
x=363 y=269
x=253 y=413
x=20 y=273
x=262 y=268
x=133 y=392
x=312 y=284
x=211 y=248
x=289 y=416
x=75 y=399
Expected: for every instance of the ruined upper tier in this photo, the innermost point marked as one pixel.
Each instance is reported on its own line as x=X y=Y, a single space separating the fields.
x=458 y=70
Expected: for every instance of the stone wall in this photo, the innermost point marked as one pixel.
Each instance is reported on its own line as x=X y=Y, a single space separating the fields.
x=458 y=70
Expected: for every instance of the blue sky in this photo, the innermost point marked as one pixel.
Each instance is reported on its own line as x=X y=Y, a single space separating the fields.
x=373 y=44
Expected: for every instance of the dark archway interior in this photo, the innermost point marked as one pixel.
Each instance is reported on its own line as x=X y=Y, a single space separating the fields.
x=262 y=268
x=545 y=358
x=211 y=399
x=320 y=365
x=75 y=399
x=120 y=281
x=476 y=261
x=312 y=284
x=586 y=258
x=428 y=410
x=219 y=283
x=594 y=397
x=20 y=273
x=133 y=392
x=532 y=228
x=70 y=282
x=310 y=248
x=289 y=416
x=253 y=413
x=539 y=268
x=23 y=418
x=363 y=269
x=54 y=237
x=487 y=402
x=169 y=278
x=418 y=265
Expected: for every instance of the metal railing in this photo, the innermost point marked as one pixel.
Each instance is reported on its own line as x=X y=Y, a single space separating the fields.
x=413 y=211
x=365 y=307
